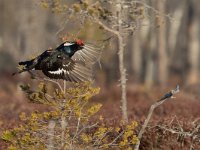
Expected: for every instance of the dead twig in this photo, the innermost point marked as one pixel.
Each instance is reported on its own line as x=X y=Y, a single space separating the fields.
x=155 y=105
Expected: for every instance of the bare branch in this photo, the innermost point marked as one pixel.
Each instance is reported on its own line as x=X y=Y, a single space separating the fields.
x=106 y=27
x=55 y=82
x=155 y=105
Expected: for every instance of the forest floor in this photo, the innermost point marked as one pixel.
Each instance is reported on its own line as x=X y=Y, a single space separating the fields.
x=185 y=107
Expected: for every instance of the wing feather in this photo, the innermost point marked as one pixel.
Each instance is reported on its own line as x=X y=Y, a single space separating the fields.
x=71 y=71
x=89 y=54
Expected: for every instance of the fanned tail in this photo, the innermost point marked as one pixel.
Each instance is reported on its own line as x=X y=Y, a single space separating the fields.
x=26 y=63
x=27 y=66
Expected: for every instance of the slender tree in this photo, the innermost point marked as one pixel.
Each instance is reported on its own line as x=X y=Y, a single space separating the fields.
x=150 y=51
x=193 y=43
x=161 y=44
x=120 y=23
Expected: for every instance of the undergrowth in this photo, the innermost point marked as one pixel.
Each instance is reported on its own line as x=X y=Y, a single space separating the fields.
x=69 y=124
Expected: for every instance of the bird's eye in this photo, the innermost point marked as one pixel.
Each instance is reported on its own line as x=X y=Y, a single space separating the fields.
x=58 y=56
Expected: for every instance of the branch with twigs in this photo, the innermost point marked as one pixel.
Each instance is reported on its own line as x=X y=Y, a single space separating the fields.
x=151 y=110
x=178 y=130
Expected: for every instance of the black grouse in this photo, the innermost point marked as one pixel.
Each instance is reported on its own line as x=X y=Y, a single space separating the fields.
x=71 y=61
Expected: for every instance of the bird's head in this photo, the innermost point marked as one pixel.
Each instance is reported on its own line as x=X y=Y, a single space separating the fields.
x=70 y=48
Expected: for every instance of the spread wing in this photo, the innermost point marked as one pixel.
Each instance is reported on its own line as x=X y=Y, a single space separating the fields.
x=89 y=54
x=69 y=70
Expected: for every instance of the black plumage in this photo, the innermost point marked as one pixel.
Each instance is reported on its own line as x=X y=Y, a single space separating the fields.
x=71 y=61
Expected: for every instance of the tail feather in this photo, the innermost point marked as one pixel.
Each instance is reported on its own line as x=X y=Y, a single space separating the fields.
x=25 y=63
x=27 y=66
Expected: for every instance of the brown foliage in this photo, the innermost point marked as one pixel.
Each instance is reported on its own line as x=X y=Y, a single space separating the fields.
x=185 y=108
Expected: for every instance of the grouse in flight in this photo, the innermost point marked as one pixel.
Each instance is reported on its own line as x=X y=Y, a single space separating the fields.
x=71 y=61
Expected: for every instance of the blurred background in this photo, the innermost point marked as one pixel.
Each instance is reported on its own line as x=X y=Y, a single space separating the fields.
x=164 y=51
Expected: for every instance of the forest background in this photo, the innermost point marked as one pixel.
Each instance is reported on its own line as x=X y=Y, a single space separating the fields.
x=162 y=52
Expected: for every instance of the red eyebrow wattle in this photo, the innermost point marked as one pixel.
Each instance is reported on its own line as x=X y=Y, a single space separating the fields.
x=79 y=42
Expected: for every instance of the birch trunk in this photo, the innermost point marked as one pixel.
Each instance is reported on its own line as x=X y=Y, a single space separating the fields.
x=121 y=64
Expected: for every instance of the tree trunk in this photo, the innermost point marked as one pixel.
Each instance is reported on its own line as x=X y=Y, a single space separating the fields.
x=175 y=26
x=161 y=44
x=122 y=80
x=150 y=69
x=136 y=58
x=121 y=64
x=193 y=45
